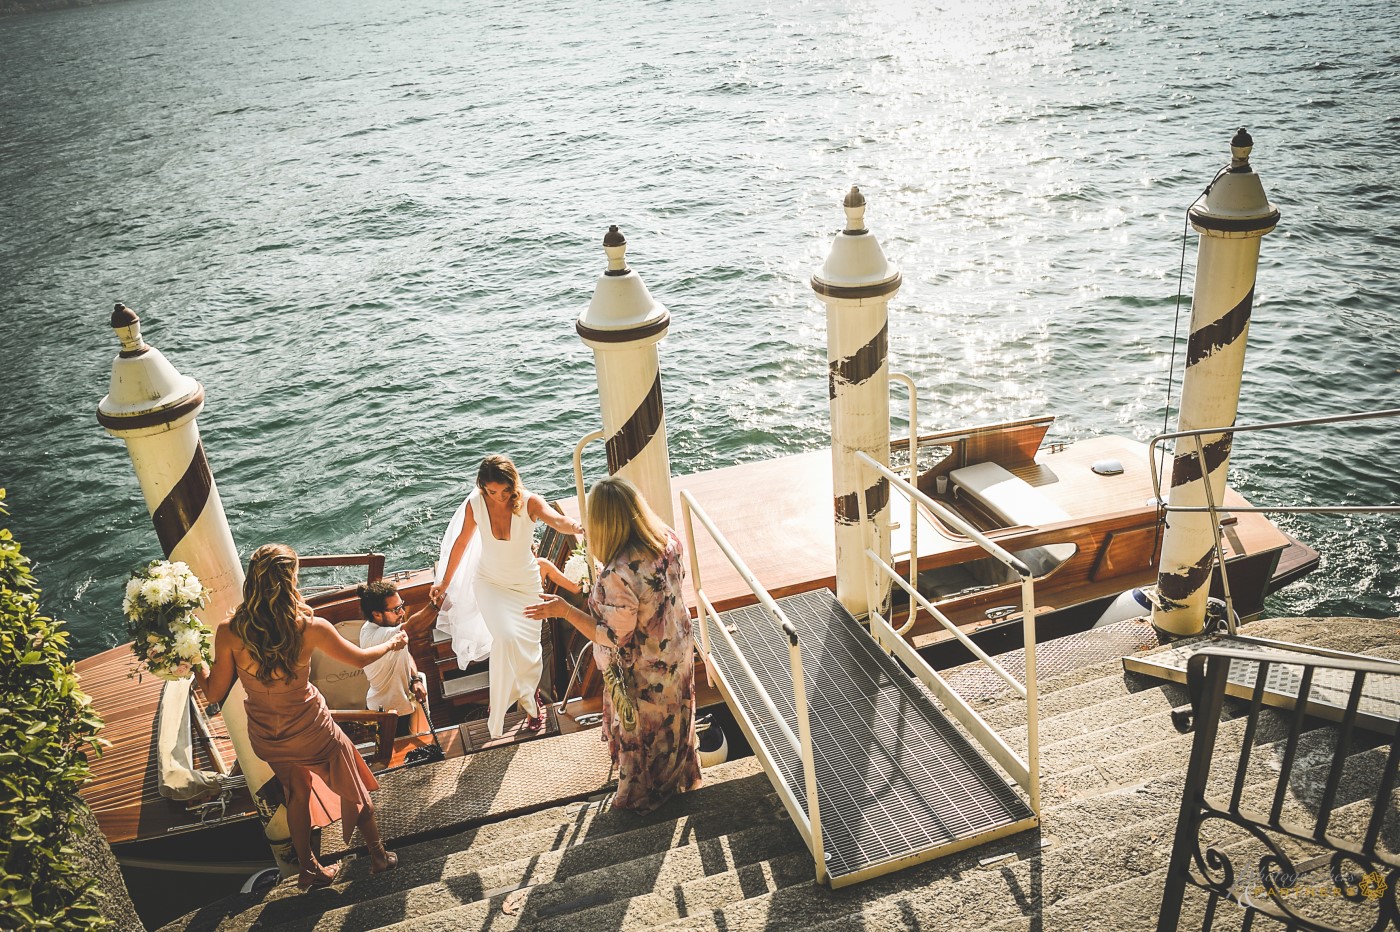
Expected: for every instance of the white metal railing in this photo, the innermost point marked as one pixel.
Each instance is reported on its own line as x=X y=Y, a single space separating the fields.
x=1025 y=771
x=582 y=494
x=809 y=822
x=908 y=383
x=1214 y=508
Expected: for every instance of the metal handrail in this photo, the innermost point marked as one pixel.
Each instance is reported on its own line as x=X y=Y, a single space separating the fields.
x=1273 y=425
x=908 y=383
x=1213 y=508
x=1026 y=772
x=802 y=741
x=582 y=497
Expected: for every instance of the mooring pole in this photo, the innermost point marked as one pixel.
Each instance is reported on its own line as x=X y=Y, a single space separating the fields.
x=856 y=283
x=1232 y=216
x=152 y=407
x=623 y=325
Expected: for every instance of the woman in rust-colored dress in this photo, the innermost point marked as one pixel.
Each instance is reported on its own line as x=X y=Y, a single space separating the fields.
x=267 y=645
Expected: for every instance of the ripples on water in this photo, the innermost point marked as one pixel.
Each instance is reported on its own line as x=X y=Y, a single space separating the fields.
x=367 y=229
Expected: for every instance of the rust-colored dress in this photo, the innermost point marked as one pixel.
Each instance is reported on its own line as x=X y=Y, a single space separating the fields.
x=289 y=726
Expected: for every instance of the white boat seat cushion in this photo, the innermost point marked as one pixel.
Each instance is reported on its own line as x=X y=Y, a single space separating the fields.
x=1006 y=496
x=344 y=686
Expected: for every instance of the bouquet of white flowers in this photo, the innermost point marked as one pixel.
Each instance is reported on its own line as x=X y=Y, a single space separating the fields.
x=576 y=569
x=166 y=637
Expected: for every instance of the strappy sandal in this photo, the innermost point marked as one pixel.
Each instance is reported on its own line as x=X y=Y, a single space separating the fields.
x=379 y=851
x=536 y=722
x=314 y=876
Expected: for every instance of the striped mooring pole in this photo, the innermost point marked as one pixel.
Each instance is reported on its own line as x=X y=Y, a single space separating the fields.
x=623 y=325
x=152 y=407
x=1232 y=216
x=856 y=283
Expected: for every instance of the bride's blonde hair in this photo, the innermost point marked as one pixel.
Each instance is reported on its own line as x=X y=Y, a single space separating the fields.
x=271 y=618
x=619 y=519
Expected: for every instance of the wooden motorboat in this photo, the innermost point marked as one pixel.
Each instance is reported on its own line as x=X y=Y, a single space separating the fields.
x=1090 y=537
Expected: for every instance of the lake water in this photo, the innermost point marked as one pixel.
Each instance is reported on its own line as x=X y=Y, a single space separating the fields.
x=367 y=227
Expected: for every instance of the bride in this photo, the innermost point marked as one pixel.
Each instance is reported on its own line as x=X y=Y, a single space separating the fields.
x=488 y=576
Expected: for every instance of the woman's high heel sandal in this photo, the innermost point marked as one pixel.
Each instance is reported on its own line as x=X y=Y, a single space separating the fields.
x=378 y=852
x=536 y=722
x=314 y=875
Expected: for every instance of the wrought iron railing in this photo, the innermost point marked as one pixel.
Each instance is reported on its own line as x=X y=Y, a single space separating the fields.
x=1316 y=876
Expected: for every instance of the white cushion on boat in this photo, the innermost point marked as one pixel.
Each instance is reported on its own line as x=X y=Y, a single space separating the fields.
x=1007 y=496
x=345 y=687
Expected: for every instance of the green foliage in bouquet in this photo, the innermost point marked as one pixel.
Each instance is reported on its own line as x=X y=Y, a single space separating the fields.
x=47 y=729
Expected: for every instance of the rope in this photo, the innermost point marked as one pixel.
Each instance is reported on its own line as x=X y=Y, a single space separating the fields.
x=1176 y=326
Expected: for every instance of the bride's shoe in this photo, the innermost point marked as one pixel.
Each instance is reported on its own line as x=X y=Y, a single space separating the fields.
x=314 y=875
x=536 y=722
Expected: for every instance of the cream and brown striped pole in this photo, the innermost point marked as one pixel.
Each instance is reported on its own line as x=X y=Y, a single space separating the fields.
x=153 y=408
x=623 y=325
x=856 y=283
x=1232 y=216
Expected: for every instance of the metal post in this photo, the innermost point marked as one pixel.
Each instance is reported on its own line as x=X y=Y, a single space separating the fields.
x=809 y=765
x=914 y=481
x=700 y=607
x=1032 y=691
x=1206 y=704
x=582 y=497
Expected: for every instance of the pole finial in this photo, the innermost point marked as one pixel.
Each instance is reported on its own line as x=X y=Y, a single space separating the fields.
x=1240 y=148
x=854 y=202
x=128 y=328
x=615 y=245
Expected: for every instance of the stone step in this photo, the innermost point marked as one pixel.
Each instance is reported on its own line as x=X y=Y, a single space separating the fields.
x=618 y=866
x=734 y=782
x=1133 y=831
x=495 y=855
x=560 y=901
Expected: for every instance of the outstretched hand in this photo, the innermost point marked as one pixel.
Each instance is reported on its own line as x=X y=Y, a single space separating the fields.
x=551 y=606
x=399 y=641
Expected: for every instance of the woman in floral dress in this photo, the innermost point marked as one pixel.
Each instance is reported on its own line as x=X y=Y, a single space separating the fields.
x=636 y=616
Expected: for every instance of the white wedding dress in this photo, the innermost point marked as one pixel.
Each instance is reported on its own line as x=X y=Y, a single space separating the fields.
x=483 y=607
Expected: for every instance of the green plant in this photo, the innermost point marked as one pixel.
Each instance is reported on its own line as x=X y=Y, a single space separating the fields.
x=47 y=731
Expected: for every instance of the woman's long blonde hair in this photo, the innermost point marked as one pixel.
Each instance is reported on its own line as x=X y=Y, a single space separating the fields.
x=498 y=468
x=620 y=519
x=271 y=618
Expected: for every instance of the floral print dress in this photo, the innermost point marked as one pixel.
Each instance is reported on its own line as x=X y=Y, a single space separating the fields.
x=640 y=613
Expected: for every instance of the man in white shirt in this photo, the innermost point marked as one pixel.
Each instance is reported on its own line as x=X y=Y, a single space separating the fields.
x=394 y=681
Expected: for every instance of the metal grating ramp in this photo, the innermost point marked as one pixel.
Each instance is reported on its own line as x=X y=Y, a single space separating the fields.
x=897 y=782
x=1380 y=695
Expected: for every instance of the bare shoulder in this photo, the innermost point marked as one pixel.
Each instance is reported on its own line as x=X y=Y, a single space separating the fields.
x=317 y=629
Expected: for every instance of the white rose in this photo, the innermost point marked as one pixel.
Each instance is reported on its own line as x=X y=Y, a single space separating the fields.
x=178 y=568
x=133 y=589
x=189 y=588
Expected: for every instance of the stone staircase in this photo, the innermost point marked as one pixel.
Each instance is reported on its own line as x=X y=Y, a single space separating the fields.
x=726 y=857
